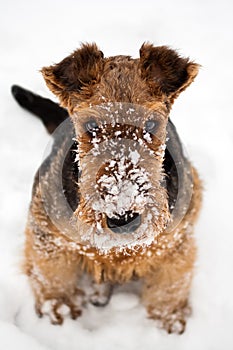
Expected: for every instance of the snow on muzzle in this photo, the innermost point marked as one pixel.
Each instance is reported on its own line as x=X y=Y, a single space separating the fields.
x=122 y=183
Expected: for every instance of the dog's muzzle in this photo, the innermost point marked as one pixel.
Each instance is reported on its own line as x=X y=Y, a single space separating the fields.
x=127 y=223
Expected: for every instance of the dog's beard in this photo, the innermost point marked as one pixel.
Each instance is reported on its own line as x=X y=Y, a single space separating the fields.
x=154 y=219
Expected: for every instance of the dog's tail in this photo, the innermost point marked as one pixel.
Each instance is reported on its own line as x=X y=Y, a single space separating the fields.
x=48 y=111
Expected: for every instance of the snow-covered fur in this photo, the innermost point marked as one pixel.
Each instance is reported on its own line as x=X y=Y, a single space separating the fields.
x=130 y=203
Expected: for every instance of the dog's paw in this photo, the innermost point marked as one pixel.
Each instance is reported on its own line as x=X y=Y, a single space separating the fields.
x=59 y=308
x=101 y=294
x=174 y=322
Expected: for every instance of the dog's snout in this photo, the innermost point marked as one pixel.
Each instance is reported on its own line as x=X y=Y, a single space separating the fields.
x=127 y=223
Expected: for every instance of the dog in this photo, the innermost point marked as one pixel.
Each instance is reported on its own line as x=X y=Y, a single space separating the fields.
x=116 y=199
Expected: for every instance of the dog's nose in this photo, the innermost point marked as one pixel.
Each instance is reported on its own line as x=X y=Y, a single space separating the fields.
x=127 y=223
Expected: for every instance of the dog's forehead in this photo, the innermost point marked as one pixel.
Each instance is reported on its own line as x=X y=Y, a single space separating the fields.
x=121 y=59
x=119 y=112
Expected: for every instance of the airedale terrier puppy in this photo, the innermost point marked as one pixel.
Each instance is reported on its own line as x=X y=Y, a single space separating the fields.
x=116 y=199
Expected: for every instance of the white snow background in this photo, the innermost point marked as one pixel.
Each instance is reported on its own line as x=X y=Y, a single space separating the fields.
x=38 y=33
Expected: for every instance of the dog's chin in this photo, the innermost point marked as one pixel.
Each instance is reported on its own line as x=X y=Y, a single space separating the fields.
x=105 y=240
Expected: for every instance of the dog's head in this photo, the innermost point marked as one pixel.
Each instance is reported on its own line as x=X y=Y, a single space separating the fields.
x=119 y=107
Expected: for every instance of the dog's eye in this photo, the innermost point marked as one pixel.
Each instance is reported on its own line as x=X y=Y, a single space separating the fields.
x=150 y=126
x=91 y=126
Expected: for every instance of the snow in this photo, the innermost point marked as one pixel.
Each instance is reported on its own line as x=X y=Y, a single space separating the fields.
x=122 y=191
x=147 y=137
x=38 y=33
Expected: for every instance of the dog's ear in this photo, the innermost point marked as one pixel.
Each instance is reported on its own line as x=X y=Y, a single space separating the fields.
x=165 y=71
x=76 y=73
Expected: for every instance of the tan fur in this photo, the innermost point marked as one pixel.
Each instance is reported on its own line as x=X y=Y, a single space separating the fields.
x=53 y=261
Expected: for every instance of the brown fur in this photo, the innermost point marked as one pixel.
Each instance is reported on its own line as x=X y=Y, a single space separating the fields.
x=54 y=262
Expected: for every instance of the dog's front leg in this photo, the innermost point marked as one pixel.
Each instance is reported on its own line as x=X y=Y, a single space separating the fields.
x=53 y=274
x=166 y=290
